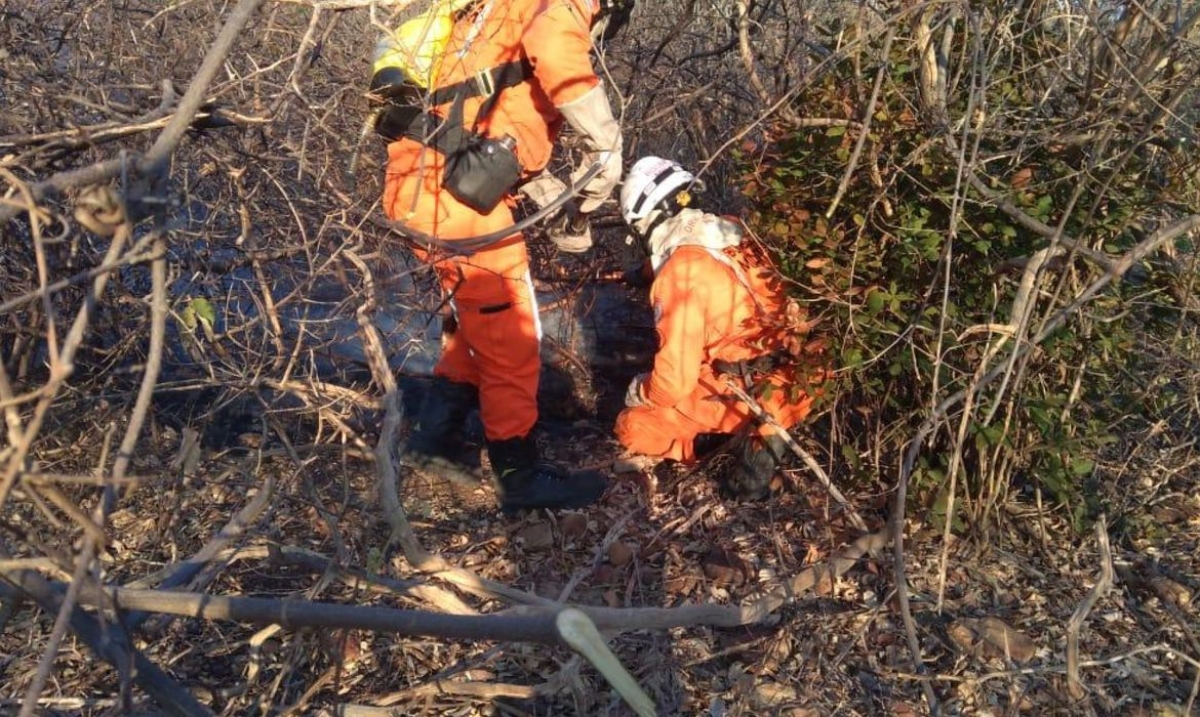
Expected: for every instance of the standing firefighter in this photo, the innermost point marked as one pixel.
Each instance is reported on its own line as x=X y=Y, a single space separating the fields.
x=477 y=92
x=721 y=315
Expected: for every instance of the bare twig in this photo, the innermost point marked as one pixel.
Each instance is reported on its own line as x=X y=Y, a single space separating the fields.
x=747 y=54
x=581 y=634
x=865 y=132
x=156 y=158
x=769 y=420
x=1103 y=583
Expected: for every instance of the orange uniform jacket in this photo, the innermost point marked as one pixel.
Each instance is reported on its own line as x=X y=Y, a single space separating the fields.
x=496 y=346
x=553 y=37
x=706 y=311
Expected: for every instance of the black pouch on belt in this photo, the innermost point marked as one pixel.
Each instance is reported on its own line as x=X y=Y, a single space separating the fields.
x=482 y=172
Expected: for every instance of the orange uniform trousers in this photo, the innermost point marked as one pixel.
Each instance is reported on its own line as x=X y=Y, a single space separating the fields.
x=496 y=345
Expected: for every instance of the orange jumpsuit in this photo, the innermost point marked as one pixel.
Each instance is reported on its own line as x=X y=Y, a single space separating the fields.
x=705 y=312
x=496 y=346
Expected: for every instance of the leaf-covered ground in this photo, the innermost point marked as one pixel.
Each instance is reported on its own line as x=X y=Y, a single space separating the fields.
x=996 y=645
x=991 y=604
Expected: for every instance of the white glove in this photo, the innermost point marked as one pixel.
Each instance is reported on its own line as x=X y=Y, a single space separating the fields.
x=591 y=116
x=633 y=394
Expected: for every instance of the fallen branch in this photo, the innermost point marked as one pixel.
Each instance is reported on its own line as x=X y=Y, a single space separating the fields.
x=292 y=614
x=109 y=644
x=1103 y=583
x=616 y=620
x=519 y=624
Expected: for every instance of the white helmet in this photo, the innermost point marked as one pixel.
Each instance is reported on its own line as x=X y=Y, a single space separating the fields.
x=651 y=182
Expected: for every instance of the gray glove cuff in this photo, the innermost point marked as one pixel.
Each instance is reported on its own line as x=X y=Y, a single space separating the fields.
x=633 y=394
x=592 y=117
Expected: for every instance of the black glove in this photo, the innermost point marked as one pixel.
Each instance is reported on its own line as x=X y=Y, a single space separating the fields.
x=639 y=276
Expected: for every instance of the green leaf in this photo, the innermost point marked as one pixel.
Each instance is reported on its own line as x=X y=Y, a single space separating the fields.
x=875 y=302
x=835 y=131
x=204 y=310
x=1082 y=466
x=188 y=318
x=374 y=561
x=850 y=455
x=852 y=357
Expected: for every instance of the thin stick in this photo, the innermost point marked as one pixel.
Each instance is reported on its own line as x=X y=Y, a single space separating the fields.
x=769 y=420
x=865 y=132
x=1105 y=581
x=581 y=634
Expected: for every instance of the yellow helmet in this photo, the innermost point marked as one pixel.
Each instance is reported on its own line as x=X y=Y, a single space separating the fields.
x=416 y=47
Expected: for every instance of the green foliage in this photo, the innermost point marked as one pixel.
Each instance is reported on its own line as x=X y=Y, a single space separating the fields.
x=877 y=263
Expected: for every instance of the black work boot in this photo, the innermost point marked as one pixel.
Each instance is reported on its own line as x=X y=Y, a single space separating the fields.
x=525 y=481
x=436 y=438
x=757 y=462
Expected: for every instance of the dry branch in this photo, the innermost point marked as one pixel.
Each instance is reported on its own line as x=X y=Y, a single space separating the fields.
x=519 y=624
x=613 y=620
x=865 y=132
x=355 y=579
x=1103 y=583
x=292 y=614
x=110 y=646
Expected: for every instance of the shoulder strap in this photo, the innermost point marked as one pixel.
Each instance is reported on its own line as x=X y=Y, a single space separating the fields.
x=485 y=83
x=739 y=271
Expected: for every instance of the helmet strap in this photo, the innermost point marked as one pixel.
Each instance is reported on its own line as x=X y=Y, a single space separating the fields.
x=656 y=219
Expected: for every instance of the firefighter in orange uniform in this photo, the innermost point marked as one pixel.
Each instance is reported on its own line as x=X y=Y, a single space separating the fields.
x=720 y=312
x=509 y=74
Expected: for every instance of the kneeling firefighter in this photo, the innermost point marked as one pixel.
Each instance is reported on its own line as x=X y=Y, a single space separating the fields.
x=472 y=113
x=721 y=315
